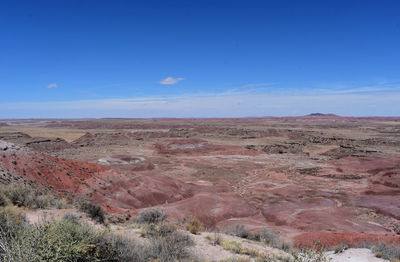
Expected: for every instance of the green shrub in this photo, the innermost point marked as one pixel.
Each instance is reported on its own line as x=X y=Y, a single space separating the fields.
x=11 y=223
x=3 y=199
x=267 y=236
x=389 y=252
x=151 y=216
x=71 y=216
x=94 y=211
x=170 y=247
x=128 y=250
x=241 y=231
x=72 y=240
x=64 y=240
x=19 y=195
x=166 y=242
x=24 y=196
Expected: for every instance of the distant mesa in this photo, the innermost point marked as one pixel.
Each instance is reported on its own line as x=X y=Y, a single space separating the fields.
x=320 y=114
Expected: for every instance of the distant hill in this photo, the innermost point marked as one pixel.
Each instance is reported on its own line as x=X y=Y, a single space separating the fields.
x=320 y=114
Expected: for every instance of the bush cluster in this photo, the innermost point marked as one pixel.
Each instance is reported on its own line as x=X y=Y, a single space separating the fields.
x=151 y=216
x=166 y=242
x=65 y=240
x=24 y=196
x=73 y=240
x=94 y=211
x=309 y=255
x=169 y=244
x=384 y=251
x=267 y=236
x=194 y=226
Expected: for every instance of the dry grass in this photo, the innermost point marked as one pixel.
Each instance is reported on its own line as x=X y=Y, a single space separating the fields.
x=67 y=134
x=194 y=226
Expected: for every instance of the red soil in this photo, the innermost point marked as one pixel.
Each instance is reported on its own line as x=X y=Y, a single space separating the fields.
x=309 y=204
x=210 y=208
x=66 y=176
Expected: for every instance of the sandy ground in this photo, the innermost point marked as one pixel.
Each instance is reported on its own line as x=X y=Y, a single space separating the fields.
x=354 y=255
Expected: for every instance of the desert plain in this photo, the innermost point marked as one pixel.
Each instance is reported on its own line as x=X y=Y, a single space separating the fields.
x=316 y=178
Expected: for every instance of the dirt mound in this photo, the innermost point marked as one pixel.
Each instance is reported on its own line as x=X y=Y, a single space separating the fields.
x=171 y=133
x=292 y=148
x=389 y=177
x=198 y=147
x=63 y=175
x=238 y=132
x=104 y=139
x=376 y=169
x=347 y=151
x=15 y=137
x=97 y=182
x=108 y=188
x=387 y=205
x=48 y=144
x=184 y=146
x=37 y=143
x=124 y=194
x=116 y=192
x=131 y=162
x=210 y=208
x=316 y=214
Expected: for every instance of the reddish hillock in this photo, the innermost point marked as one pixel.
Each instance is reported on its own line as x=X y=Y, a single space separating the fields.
x=211 y=208
x=116 y=192
x=66 y=176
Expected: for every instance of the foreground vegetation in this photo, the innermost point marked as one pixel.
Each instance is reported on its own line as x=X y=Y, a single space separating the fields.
x=72 y=239
x=25 y=196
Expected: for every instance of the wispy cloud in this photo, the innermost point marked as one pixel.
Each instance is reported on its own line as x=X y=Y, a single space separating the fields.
x=247 y=86
x=52 y=86
x=171 y=80
x=356 y=102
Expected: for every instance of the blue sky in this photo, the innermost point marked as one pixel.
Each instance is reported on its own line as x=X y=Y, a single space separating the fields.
x=199 y=58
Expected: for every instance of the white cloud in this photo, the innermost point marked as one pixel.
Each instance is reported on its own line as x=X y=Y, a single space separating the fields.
x=52 y=86
x=170 y=80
